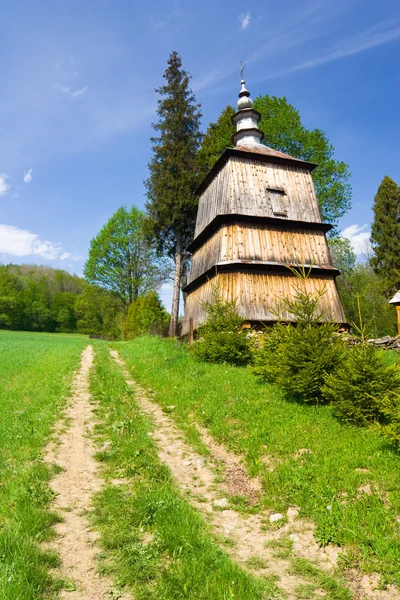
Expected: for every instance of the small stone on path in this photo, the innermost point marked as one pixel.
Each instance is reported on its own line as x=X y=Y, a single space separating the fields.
x=223 y=503
x=276 y=517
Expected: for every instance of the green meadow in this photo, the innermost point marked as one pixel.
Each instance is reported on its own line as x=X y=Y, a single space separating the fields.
x=152 y=541
x=35 y=375
x=346 y=480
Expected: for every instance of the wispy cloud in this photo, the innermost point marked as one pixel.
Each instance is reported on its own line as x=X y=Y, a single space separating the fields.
x=20 y=242
x=4 y=186
x=245 y=20
x=307 y=40
x=74 y=93
x=359 y=238
x=169 y=18
x=28 y=176
x=349 y=47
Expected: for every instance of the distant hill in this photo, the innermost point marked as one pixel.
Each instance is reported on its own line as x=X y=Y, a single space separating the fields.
x=40 y=298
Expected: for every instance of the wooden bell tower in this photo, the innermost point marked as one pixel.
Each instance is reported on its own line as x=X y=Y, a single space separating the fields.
x=258 y=216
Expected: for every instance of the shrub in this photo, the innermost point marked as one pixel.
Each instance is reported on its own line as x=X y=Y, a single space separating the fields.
x=364 y=388
x=222 y=338
x=146 y=315
x=299 y=357
x=391 y=410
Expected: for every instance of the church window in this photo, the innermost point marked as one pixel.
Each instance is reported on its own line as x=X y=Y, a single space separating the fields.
x=278 y=202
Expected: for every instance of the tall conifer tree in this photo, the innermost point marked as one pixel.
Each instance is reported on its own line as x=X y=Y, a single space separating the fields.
x=385 y=234
x=174 y=171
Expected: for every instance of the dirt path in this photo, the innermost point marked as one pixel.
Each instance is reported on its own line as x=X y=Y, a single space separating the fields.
x=74 y=486
x=257 y=545
x=252 y=544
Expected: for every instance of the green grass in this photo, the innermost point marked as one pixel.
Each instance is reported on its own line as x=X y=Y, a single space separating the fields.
x=35 y=373
x=254 y=419
x=153 y=541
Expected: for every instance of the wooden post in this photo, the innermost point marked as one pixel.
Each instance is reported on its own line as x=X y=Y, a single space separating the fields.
x=398 y=319
x=191 y=331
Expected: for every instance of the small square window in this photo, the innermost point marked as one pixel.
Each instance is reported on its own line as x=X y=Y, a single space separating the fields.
x=278 y=202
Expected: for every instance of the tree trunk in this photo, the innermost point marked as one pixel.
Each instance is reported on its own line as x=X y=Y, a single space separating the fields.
x=184 y=276
x=173 y=326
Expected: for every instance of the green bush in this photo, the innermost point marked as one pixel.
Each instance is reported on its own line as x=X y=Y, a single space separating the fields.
x=299 y=357
x=222 y=338
x=146 y=315
x=365 y=388
x=391 y=431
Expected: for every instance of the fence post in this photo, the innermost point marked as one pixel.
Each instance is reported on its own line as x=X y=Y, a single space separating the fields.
x=191 y=331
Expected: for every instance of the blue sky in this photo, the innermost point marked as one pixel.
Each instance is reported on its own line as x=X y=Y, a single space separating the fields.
x=77 y=100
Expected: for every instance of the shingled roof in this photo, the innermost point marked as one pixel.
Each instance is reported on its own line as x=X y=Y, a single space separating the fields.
x=256 y=152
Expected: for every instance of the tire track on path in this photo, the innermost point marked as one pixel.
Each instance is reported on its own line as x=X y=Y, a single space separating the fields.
x=250 y=536
x=195 y=477
x=74 y=487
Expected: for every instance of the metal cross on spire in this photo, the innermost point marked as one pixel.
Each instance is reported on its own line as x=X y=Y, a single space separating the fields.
x=242 y=67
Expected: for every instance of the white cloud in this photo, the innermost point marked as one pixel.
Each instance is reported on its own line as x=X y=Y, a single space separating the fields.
x=359 y=239
x=20 y=242
x=245 y=20
x=28 y=176
x=4 y=186
x=79 y=93
x=74 y=93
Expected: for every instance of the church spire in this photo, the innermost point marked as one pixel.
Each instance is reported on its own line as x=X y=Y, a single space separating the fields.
x=246 y=120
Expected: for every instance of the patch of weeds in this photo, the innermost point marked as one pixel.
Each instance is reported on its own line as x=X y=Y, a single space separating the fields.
x=256 y=562
x=334 y=588
x=306 y=592
x=283 y=548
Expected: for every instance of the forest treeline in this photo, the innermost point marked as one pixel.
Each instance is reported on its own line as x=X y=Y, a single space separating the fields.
x=38 y=298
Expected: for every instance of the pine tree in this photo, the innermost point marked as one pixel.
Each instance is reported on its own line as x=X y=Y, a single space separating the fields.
x=174 y=172
x=385 y=234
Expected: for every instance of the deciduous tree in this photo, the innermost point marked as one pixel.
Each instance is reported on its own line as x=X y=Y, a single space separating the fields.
x=122 y=260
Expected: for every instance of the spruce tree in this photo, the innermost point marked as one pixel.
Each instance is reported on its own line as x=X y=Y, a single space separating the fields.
x=174 y=172
x=385 y=234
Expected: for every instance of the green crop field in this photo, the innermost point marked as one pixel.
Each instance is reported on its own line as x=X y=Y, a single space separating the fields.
x=35 y=374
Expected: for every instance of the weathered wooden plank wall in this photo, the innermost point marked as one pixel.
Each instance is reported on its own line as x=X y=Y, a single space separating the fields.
x=241 y=187
x=259 y=296
x=258 y=242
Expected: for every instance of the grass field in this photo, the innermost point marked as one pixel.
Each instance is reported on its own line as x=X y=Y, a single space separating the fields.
x=178 y=559
x=348 y=480
x=35 y=373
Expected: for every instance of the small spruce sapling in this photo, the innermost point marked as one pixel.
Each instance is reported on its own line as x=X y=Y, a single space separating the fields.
x=222 y=338
x=364 y=388
x=299 y=357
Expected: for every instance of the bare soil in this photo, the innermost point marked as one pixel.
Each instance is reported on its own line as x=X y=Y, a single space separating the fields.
x=74 y=487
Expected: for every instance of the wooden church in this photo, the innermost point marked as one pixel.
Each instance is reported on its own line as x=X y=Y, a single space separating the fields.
x=258 y=216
